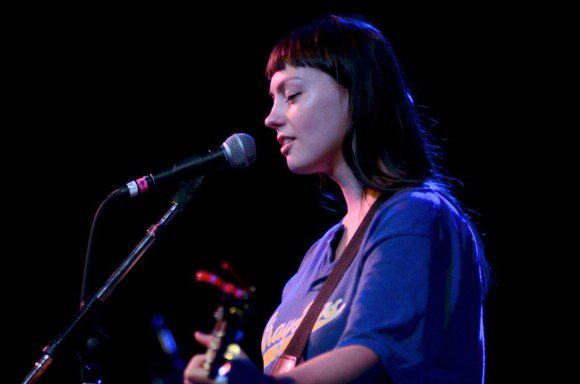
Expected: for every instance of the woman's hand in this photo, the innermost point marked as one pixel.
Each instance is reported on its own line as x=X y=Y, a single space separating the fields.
x=242 y=369
x=194 y=372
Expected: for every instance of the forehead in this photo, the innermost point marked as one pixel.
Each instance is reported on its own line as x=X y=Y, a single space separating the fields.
x=288 y=74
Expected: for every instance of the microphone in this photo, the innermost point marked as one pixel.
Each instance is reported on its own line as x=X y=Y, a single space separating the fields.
x=238 y=151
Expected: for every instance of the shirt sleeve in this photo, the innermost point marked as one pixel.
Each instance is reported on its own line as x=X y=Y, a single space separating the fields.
x=398 y=308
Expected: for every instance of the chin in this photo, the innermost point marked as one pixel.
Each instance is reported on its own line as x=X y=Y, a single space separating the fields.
x=300 y=169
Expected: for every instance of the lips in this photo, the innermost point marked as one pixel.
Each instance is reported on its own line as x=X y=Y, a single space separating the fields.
x=285 y=142
x=286 y=146
x=284 y=139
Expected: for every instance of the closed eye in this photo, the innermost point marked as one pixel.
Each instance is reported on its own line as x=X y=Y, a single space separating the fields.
x=292 y=97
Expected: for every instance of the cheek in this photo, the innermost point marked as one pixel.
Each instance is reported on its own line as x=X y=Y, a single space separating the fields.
x=333 y=116
x=326 y=118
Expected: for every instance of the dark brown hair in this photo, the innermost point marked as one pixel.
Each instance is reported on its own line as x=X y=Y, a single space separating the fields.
x=386 y=145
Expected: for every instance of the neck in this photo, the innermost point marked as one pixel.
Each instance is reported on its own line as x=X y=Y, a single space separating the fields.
x=358 y=199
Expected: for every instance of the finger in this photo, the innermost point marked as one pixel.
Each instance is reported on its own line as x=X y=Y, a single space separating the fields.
x=196 y=362
x=203 y=338
x=196 y=376
x=194 y=372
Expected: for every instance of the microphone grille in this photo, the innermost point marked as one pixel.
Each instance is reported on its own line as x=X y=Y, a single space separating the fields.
x=241 y=150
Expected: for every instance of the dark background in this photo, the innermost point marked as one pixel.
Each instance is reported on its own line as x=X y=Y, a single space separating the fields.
x=99 y=95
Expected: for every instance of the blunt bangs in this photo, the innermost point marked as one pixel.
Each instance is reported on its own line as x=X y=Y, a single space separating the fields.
x=323 y=45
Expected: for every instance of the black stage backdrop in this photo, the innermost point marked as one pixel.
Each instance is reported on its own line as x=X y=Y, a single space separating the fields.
x=101 y=95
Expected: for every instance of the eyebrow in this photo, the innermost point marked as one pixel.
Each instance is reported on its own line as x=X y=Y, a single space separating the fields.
x=283 y=83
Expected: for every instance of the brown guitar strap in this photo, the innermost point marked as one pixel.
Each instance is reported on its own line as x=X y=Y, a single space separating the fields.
x=295 y=348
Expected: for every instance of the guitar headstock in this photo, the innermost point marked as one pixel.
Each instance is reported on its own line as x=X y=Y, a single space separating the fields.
x=230 y=316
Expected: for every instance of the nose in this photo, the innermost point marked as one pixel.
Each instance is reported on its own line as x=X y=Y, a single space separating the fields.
x=276 y=118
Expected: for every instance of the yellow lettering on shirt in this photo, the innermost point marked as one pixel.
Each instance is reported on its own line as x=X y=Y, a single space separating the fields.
x=274 y=341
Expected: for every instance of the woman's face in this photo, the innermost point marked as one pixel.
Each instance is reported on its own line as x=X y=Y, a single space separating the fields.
x=310 y=116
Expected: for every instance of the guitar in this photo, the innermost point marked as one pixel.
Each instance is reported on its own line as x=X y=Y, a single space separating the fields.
x=230 y=317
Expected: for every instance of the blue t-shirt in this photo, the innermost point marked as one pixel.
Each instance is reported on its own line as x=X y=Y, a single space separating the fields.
x=412 y=294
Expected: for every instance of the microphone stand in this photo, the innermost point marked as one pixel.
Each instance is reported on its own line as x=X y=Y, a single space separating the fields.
x=88 y=308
